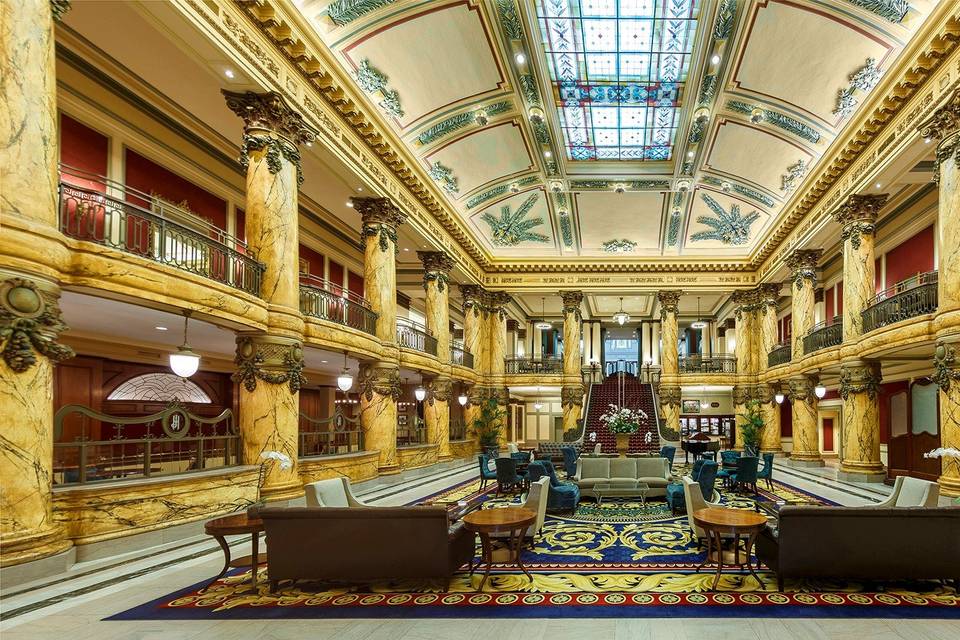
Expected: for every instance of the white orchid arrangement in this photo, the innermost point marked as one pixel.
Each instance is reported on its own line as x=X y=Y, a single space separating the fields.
x=623 y=419
x=279 y=458
x=946 y=452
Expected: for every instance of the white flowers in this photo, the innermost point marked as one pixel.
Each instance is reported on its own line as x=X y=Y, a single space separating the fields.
x=282 y=459
x=941 y=452
x=623 y=419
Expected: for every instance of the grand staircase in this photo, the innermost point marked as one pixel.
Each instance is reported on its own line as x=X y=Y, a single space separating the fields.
x=637 y=395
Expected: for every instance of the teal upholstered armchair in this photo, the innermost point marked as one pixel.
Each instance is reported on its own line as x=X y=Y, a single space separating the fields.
x=486 y=473
x=766 y=472
x=563 y=496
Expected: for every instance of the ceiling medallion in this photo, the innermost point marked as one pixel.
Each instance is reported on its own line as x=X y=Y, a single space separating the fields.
x=619 y=246
x=795 y=172
x=864 y=79
x=511 y=228
x=444 y=177
x=727 y=227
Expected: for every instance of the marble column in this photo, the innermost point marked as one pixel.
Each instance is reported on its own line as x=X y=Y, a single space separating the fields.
x=669 y=397
x=436 y=283
x=669 y=358
x=496 y=321
x=572 y=392
x=859 y=387
x=380 y=387
x=269 y=367
x=946 y=374
x=806 y=445
x=769 y=297
x=770 y=436
x=474 y=333
x=857 y=218
x=803 y=265
x=380 y=221
x=745 y=302
x=30 y=324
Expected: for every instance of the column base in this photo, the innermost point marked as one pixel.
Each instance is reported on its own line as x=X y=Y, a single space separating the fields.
x=389 y=470
x=949 y=486
x=17 y=549
x=861 y=476
x=285 y=491
x=805 y=462
x=444 y=457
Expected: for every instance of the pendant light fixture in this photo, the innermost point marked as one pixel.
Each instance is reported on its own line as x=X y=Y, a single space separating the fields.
x=463 y=398
x=620 y=317
x=420 y=393
x=779 y=397
x=538 y=404
x=820 y=390
x=345 y=379
x=699 y=322
x=185 y=362
x=542 y=323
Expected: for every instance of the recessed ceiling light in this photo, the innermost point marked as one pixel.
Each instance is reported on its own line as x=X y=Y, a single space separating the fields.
x=359 y=188
x=689 y=154
x=350 y=203
x=229 y=73
x=309 y=144
x=547 y=154
x=323 y=362
x=715 y=59
x=879 y=185
x=520 y=58
x=406 y=248
x=159 y=328
x=926 y=141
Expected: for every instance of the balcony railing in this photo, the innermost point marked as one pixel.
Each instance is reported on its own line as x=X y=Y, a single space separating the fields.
x=169 y=442
x=913 y=297
x=413 y=433
x=547 y=364
x=460 y=355
x=626 y=366
x=318 y=299
x=148 y=227
x=708 y=364
x=415 y=336
x=331 y=436
x=780 y=354
x=823 y=336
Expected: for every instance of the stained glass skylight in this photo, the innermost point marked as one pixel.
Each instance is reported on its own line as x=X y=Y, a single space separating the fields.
x=618 y=69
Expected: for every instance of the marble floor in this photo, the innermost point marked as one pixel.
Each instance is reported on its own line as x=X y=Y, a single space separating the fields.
x=74 y=605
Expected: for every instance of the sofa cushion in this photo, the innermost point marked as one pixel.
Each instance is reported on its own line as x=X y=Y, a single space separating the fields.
x=623 y=468
x=654 y=482
x=652 y=467
x=595 y=468
x=623 y=482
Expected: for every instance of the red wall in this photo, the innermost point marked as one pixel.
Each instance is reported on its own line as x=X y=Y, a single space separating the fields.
x=828 y=434
x=786 y=420
x=336 y=272
x=355 y=283
x=314 y=261
x=85 y=149
x=786 y=327
x=241 y=224
x=147 y=176
x=911 y=257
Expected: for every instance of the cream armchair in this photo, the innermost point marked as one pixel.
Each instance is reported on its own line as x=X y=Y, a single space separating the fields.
x=537 y=502
x=693 y=497
x=334 y=492
x=911 y=492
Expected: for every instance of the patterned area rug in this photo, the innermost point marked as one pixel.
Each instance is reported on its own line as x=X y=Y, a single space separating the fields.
x=620 y=558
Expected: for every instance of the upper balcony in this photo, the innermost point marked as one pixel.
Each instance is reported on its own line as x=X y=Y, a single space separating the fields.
x=411 y=335
x=823 y=336
x=708 y=364
x=122 y=218
x=536 y=364
x=910 y=298
x=781 y=353
x=461 y=356
x=323 y=299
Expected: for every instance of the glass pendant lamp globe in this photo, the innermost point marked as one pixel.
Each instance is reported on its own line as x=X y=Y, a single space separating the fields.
x=184 y=362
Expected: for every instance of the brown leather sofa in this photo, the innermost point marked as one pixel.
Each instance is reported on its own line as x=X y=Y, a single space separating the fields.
x=363 y=544
x=903 y=543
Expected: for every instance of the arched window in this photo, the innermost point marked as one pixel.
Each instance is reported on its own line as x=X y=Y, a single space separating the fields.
x=160 y=387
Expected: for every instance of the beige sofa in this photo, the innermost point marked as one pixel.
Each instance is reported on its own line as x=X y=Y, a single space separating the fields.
x=655 y=472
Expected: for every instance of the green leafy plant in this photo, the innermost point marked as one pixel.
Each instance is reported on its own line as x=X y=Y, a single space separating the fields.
x=752 y=425
x=488 y=424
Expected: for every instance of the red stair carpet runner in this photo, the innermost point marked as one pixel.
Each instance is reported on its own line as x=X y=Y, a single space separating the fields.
x=637 y=395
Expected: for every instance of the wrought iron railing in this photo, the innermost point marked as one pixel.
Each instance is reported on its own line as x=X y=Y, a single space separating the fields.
x=781 y=353
x=460 y=355
x=708 y=364
x=823 y=336
x=317 y=301
x=546 y=364
x=131 y=221
x=910 y=298
x=458 y=430
x=616 y=366
x=415 y=336
x=413 y=433
x=169 y=442
x=331 y=436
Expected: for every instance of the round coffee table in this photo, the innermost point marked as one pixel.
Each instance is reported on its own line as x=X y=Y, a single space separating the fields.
x=232 y=525
x=511 y=520
x=717 y=522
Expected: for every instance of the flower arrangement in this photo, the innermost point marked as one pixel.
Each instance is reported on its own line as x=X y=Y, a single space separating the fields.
x=946 y=452
x=276 y=458
x=623 y=419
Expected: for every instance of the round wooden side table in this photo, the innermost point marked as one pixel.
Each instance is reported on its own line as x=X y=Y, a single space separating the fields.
x=734 y=523
x=513 y=521
x=232 y=525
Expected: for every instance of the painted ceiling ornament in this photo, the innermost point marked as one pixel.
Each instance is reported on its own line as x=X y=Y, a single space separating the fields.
x=725 y=18
x=342 y=12
x=454 y=123
x=391 y=103
x=369 y=79
x=673 y=228
x=499 y=190
x=271 y=359
x=512 y=228
x=436 y=268
x=864 y=79
x=892 y=10
x=730 y=228
x=736 y=187
x=619 y=246
x=791 y=179
x=944 y=127
x=444 y=176
x=782 y=121
x=863 y=378
x=946 y=369
x=858 y=216
x=58 y=8
x=30 y=323
x=803 y=264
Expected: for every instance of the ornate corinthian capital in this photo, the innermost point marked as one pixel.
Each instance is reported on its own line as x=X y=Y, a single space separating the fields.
x=669 y=302
x=269 y=112
x=860 y=378
x=571 y=301
x=381 y=380
x=571 y=396
x=803 y=264
x=436 y=268
x=669 y=395
x=272 y=359
x=380 y=219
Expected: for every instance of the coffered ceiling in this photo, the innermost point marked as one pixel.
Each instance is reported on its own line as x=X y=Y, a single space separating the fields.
x=566 y=129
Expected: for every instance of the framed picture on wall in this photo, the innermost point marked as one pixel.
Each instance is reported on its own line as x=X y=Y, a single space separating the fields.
x=402 y=419
x=691 y=406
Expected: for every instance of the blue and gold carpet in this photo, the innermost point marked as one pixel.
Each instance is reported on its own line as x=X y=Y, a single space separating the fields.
x=618 y=559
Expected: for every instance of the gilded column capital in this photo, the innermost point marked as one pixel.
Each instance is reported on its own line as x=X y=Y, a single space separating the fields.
x=669 y=395
x=858 y=216
x=746 y=301
x=802 y=389
x=272 y=359
x=764 y=394
x=30 y=323
x=860 y=378
x=946 y=368
x=742 y=394
x=497 y=301
x=382 y=380
x=572 y=301
x=473 y=298
x=768 y=294
x=803 y=264
x=436 y=268
x=943 y=126
x=669 y=302
x=438 y=390
x=380 y=219
x=571 y=395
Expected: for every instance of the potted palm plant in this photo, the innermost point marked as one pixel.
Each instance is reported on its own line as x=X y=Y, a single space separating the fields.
x=487 y=426
x=623 y=422
x=751 y=428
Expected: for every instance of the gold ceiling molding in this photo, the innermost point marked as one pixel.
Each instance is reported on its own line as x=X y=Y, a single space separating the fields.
x=912 y=74
x=614 y=282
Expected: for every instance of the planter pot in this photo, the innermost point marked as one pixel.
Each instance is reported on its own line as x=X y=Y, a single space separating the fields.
x=623 y=443
x=492 y=451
